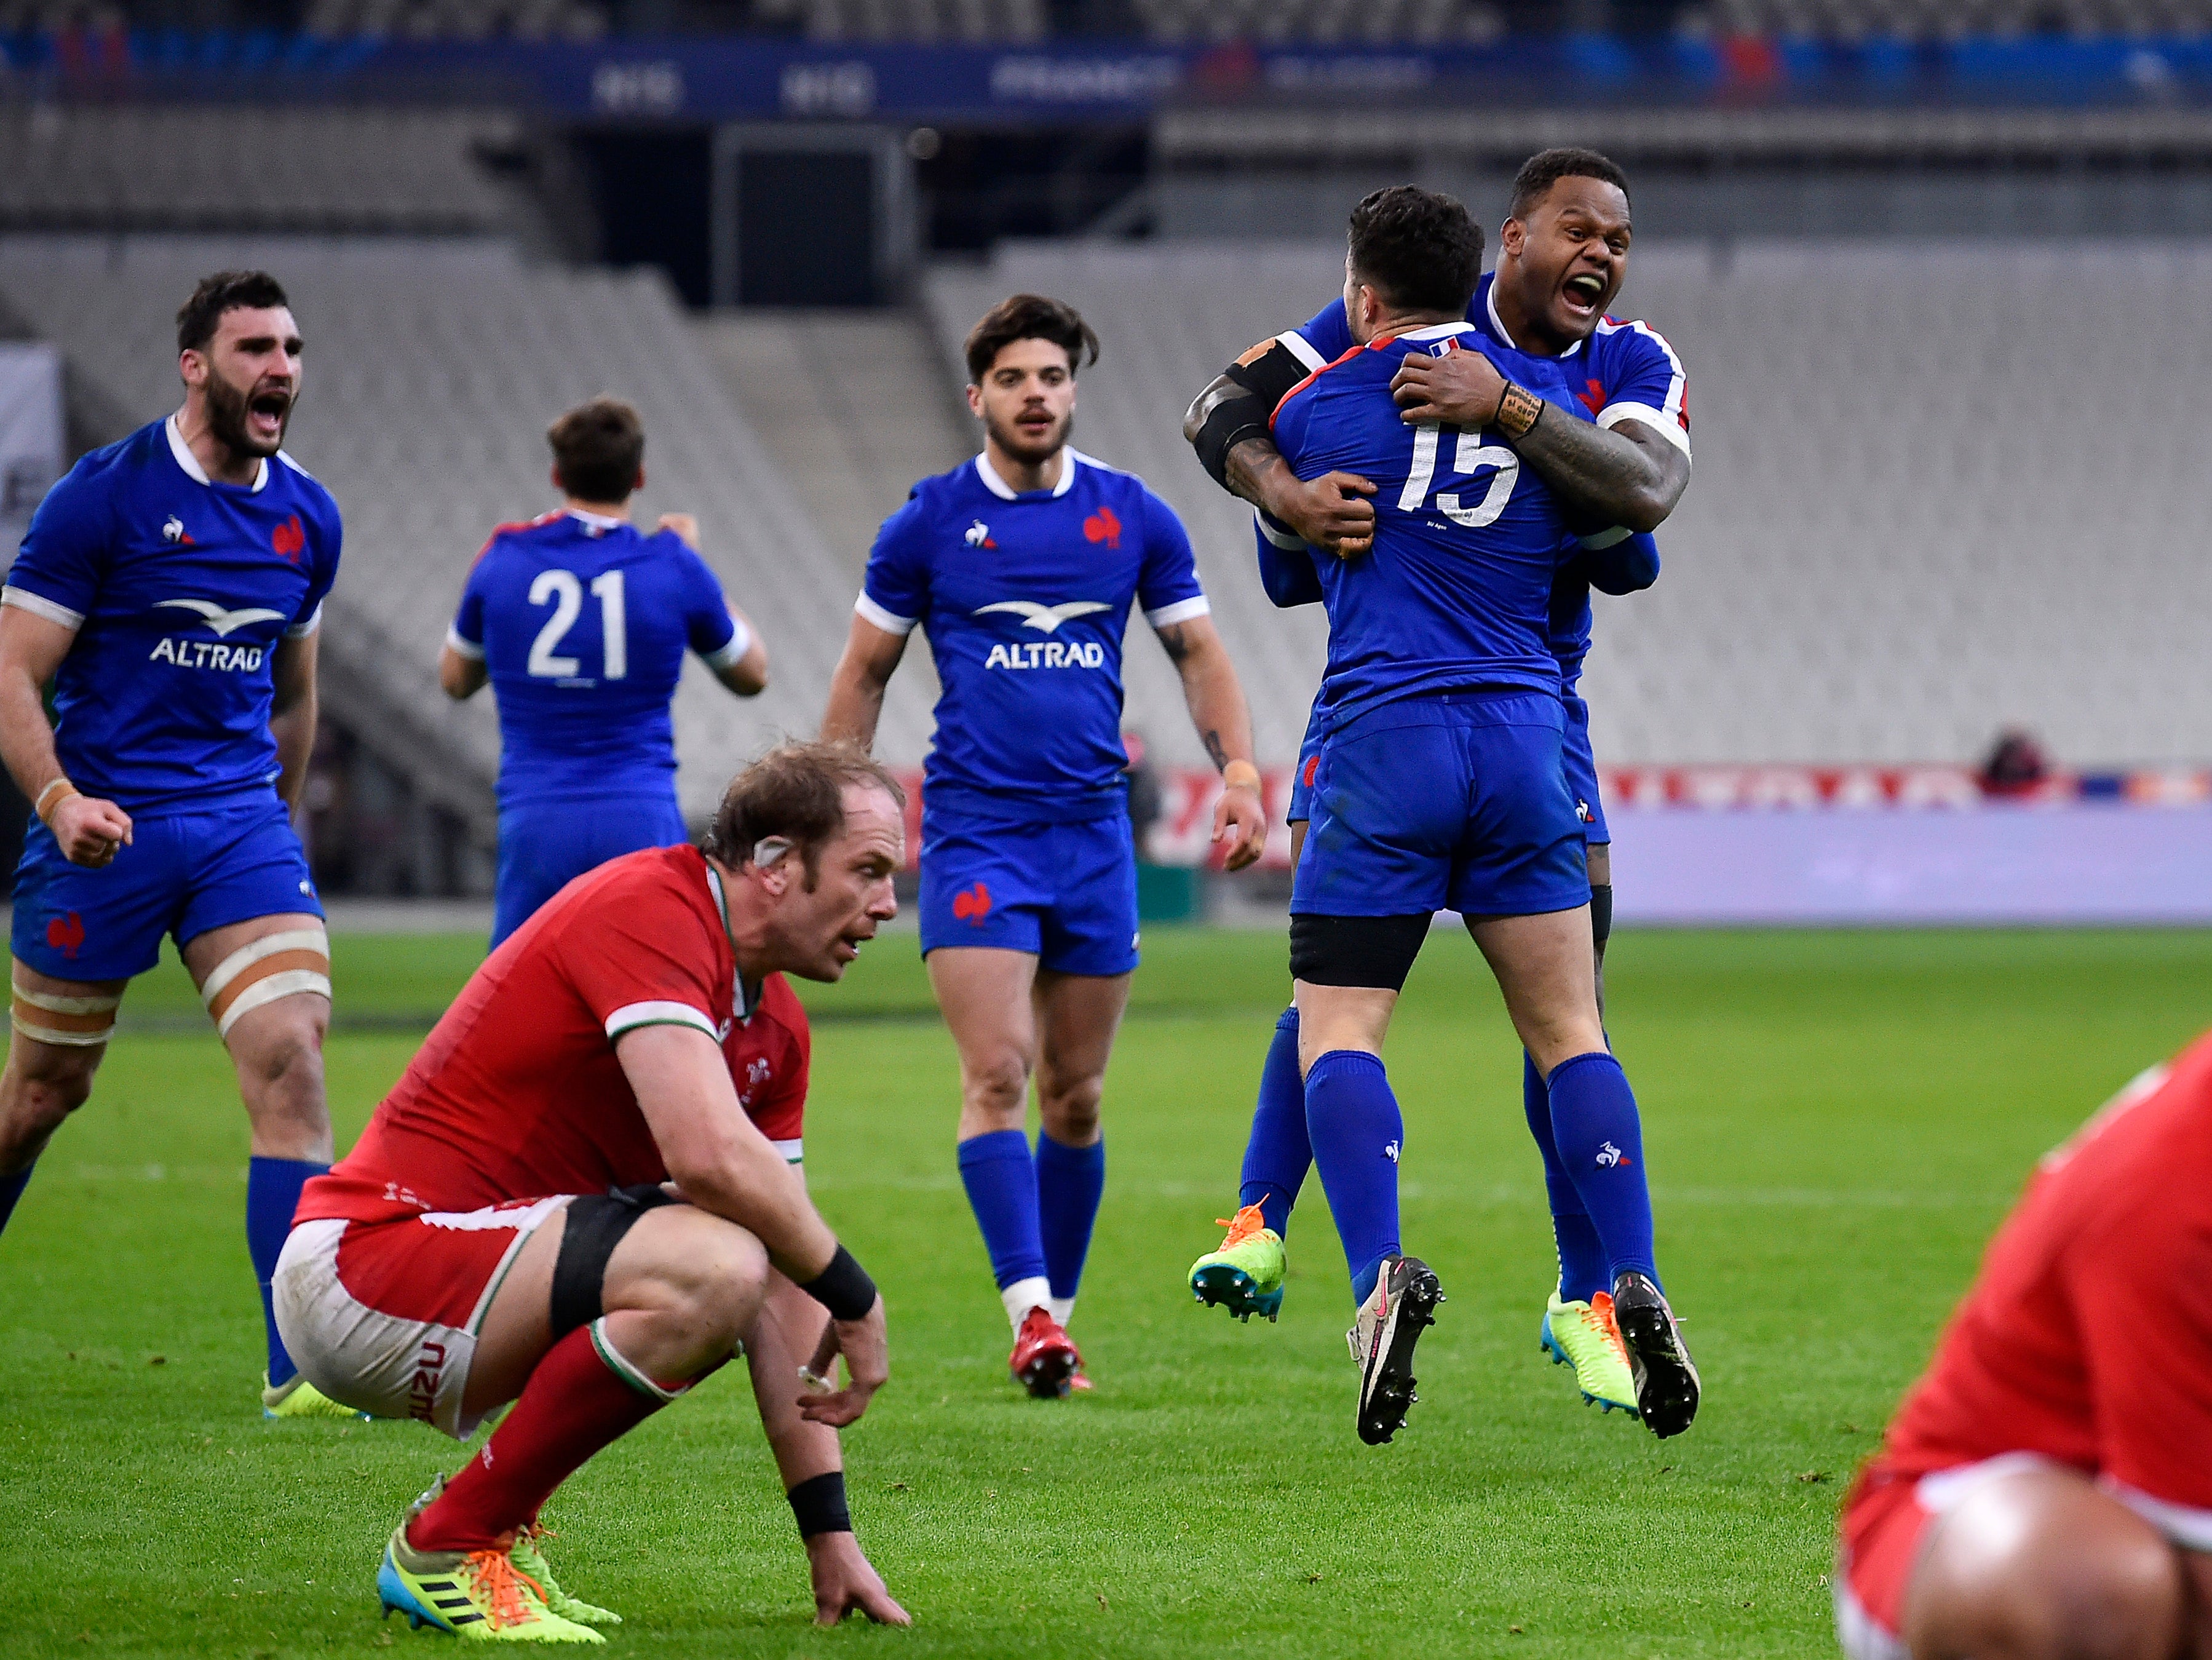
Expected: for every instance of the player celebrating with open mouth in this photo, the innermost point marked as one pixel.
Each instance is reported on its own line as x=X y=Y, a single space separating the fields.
x=1440 y=784
x=574 y=1199
x=171 y=588
x=1021 y=567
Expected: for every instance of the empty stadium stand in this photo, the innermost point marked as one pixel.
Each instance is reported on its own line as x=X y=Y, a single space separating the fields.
x=223 y=167
x=432 y=370
x=1930 y=497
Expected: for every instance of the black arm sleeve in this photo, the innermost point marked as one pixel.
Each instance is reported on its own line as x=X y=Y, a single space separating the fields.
x=1257 y=383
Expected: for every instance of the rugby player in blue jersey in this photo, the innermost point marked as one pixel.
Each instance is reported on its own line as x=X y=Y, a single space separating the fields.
x=579 y=623
x=1021 y=567
x=1568 y=231
x=170 y=587
x=1481 y=619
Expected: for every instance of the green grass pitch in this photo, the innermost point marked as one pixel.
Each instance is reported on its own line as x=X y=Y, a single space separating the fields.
x=1834 y=1123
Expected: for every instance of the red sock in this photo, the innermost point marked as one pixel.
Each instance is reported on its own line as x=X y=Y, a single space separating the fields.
x=582 y=1395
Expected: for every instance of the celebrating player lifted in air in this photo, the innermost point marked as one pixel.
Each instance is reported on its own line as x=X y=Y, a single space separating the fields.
x=2045 y=1492
x=579 y=623
x=1440 y=784
x=585 y=1192
x=1021 y=567
x=170 y=587
x=1540 y=320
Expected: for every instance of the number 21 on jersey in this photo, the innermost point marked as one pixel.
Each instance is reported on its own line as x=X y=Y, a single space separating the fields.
x=560 y=589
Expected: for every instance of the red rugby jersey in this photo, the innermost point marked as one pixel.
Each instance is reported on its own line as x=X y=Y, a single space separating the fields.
x=517 y=1092
x=2087 y=1336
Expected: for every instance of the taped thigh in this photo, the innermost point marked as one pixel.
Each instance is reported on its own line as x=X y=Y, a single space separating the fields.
x=80 y=1023
x=276 y=966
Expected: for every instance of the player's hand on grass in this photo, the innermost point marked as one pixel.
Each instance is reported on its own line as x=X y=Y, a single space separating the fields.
x=90 y=830
x=1459 y=389
x=1331 y=512
x=685 y=525
x=1240 y=820
x=844 y=1582
x=867 y=1368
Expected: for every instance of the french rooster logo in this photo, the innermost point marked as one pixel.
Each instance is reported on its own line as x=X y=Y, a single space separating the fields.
x=972 y=904
x=66 y=934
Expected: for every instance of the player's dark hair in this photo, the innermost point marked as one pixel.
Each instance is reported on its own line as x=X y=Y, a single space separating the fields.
x=1419 y=250
x=1029 y=317
x=225 y=290
x=597 y=448
x=1547 y=167
x=796 y=791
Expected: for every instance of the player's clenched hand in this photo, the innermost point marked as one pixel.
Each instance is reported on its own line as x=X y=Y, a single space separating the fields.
x=1331 y=513
x=1459 y=389
x=684 y=524
x=1240 y=820
x=90 y=830
x=867 y=1368
x=844 y=1581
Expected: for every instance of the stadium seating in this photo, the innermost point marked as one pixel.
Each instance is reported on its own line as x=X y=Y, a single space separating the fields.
x=1928 y=499
x=1014 y=22
x=1913 y=20
x=455 y=20
x=222 y=168
x=434 y=368
x=1324 y=22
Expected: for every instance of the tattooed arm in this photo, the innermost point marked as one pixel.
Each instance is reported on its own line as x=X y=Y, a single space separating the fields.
x=1225 y=726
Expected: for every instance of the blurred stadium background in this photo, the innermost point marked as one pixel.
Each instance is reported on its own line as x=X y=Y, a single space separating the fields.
x=1939 y=269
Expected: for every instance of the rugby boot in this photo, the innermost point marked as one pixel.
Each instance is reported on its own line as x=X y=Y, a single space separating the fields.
x=1666 y=1380
x=1402 y=1306
x=531 y=1562
x=1045 y=1360
x=298 y=1398
x=1245 y=1275
x=1583 y=1336
x=477 y=1594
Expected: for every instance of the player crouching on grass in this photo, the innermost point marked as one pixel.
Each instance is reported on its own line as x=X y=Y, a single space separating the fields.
x=2045 y=1491
x=565 y=1203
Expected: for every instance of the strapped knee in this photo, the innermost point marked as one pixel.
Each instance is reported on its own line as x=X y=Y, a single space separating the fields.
x=274 y=966
x=80 y=1023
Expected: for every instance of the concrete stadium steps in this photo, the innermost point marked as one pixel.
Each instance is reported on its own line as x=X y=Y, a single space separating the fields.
x=434 y=368
x=1938 y=489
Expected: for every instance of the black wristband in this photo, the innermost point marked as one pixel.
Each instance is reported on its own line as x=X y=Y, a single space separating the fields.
x=818 y=1503
x=843 y=1287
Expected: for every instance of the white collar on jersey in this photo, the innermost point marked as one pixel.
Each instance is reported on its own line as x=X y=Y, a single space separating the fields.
x=1005 y=492
x=191 y=462
x=596 y=520
x=1436 y=332
x=1489 y=304
x=742 y=1004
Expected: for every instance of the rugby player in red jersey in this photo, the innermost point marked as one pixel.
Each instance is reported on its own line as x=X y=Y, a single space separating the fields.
x=2045 y=1491
x=565 y=1202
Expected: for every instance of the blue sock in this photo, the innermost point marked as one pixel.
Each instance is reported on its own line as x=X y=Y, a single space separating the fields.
x=1069 y=1182
x=272 y=1194
x=1353 y=1120
x=1582 y=1257
x=1279 y=1153
x=1001 y=1181
x=1600 y=1142
x=11 y=1189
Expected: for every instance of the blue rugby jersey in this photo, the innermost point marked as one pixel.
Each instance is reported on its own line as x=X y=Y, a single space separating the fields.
x=180 y=590
x=1624 y=371
x=1456 y=594
x=1025 y=598
x=582 y=623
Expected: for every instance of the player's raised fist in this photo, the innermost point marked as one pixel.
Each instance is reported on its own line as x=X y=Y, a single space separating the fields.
x=686 y=527
x=1459 y=389
x=89 y=830
x=846 y=1583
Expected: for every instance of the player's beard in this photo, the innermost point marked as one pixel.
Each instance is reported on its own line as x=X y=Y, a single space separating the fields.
x=227 y=409
x=1030 y=452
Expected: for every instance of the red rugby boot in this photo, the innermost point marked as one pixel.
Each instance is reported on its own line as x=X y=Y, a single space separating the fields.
x=1045 y=1360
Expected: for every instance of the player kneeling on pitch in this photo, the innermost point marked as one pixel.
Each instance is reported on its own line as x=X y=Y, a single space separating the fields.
x=567 y=1202
x=2045 y=1491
